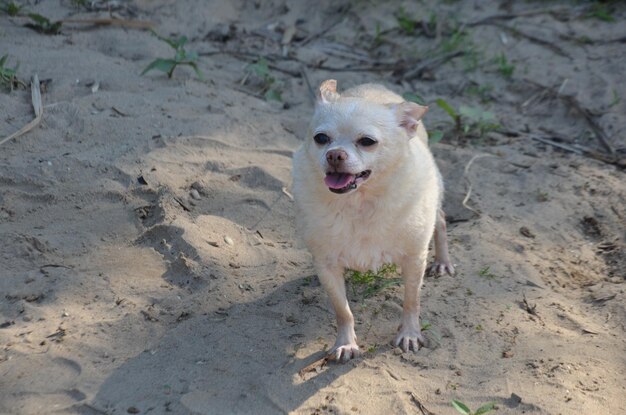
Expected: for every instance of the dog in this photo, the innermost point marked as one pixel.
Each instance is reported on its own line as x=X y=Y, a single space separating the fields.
x=368 y=193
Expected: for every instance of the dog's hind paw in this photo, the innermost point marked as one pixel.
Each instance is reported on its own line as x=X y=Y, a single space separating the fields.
x=409 y=340
x=442 y=267
x=344 y=352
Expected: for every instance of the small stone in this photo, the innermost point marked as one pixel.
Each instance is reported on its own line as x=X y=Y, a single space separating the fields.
x=132 y=410
x=194 y=194
x=65 y=314
x=526 y=232
x=27 y=318
x=229 y=241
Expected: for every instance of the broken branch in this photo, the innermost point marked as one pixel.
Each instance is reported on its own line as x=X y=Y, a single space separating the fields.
x=35 y=93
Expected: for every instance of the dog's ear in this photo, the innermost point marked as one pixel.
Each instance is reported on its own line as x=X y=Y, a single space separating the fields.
x=328 y=91
x=409 y=114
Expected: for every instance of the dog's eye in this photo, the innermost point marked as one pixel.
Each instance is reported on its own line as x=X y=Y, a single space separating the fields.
x=321 y=139
x=366 y=141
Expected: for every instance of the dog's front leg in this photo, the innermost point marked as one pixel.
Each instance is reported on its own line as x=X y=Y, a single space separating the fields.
x=345 y=347
x=410 y=336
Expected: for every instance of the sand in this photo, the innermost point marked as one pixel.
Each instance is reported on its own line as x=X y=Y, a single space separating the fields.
x=149 y=258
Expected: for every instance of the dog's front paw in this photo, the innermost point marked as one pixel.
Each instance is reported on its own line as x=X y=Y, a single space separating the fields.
x=409 y=339
x=442 y=267
x=343 y=353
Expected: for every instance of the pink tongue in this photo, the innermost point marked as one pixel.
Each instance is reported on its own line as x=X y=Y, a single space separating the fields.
x=338 y=180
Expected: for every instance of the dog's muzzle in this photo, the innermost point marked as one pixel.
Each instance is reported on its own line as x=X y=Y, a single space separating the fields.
x=338 y=182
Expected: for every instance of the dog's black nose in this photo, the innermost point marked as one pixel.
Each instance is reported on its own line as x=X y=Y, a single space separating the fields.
x=336 y=157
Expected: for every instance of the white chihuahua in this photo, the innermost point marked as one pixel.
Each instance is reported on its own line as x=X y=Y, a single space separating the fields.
x=368 y=193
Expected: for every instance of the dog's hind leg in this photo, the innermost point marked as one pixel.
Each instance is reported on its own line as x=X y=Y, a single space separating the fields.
x=442 y=262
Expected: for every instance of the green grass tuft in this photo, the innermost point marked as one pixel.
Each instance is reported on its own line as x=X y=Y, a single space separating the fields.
x=11 y=8
x=8 y=76
x=465 y=410
x=370 y=282
x=43 y=25
x=602 y=12
x=181 y=57
x=270 y=87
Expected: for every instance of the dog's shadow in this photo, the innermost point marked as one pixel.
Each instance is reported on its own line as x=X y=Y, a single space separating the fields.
x=240 y=361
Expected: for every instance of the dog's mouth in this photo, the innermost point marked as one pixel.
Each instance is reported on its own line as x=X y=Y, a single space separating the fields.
x=338 y=182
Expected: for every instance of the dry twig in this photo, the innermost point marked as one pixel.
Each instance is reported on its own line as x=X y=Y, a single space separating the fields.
x=430 y=65
x=419 y=405
x=315 y=366
x=307 y=81
x=597 y=129
x=557 y=13
x=542 y=42
x=133 y=24
x=469 y=183
x=341 y=15
x=530 y=309
x=35 y=93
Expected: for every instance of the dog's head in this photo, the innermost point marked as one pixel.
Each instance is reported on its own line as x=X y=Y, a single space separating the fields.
x=356 y=140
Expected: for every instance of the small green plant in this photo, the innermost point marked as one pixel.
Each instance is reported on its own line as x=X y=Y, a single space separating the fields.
x=369 y=282
x=406 y=23
x=270 y=87
x=433 y=136
x=477 y=120
x=472 y=58
x=450 y=111
x=432 y=22
x=413 y=97
x=181 y=57
x=601 y=11
x=43 y=25
x=616 y=99
x=484 y=272
x=456 y=41
x=542 y=196
x=8 y=76
x=464 y=409
x=483 y=92
x=583 y=40
x=505 y=68
x=469 y=121
x=378 y=36
x=11 y=8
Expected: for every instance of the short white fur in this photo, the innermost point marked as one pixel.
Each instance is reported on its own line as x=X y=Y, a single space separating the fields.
x=388 y=218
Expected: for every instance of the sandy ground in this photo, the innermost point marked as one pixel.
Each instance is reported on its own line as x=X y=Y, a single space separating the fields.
x=187 y=291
